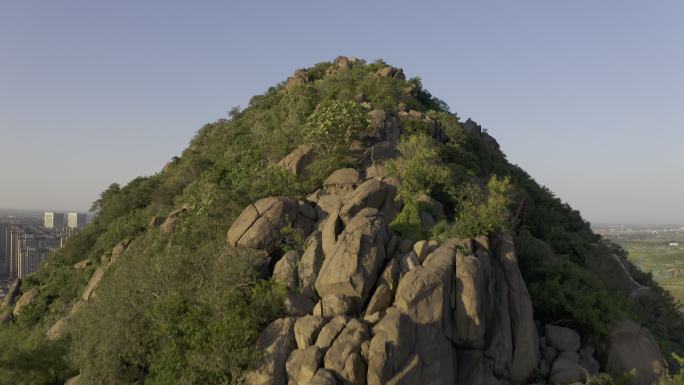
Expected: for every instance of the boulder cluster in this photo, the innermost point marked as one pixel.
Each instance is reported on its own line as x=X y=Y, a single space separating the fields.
x=367 y=307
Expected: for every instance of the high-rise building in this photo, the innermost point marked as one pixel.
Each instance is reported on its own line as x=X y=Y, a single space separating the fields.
x=76 y=220
x=28 y=246
x=54 y=220
x=4 y=266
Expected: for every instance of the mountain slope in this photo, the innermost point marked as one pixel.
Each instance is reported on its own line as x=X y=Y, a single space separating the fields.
x=325 y=182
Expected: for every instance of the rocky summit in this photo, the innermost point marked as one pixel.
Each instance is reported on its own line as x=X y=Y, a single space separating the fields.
x=346 y=228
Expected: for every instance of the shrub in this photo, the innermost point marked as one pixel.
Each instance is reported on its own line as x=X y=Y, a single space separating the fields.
x=560 y=288
x=482 y=211
x=333 y=125
x=673 y=379
x=161 y=317
x=419 y=168
x=27 y=358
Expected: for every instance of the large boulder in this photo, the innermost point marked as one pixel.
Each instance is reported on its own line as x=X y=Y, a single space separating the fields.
x=424 y=293
x=408 y=261
x=275 y=345
x=306 y=330
x=566 y=371
x=310 y=264
x=392 y=72
x=303 y=364
x=391 y=347
x=469 y=314
x=260 y=224
x=296 y=161
x=421 y=295
x=587 y=360
x=382 y=299
x=388 y=129
x=285 y=270
x=523 y=329
x=353 y=266
x=498 y=336
x=344 y=356
x=370 y=193
x=82 y=264
x=331 y=230
x=562 y=339
x=390 y=276
x=330 y=331
x=94 y=282
x=299 y=77
x=472 y=127
x=632 y=347
x=118 y=250
x=341 y=181
x=343 y=62
x=335 y=304
x=170 y=221
x=383 y=296
x=403 y=352
x=297 y=304
x=435 y=207
x=471 y=369
x=57 y=330
x=26 y=299
x=323 y=377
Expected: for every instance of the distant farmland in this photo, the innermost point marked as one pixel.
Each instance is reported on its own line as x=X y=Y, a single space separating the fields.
x=652 y=252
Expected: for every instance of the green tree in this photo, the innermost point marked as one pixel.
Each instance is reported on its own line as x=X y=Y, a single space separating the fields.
x=333 y=125
x=482 y=211
x=27 y=358
x=420 y=169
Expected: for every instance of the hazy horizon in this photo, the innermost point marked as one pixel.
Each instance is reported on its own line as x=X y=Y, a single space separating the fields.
x=586 y=97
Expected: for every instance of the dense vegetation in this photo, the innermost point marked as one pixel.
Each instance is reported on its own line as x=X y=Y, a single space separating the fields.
x=184 y=308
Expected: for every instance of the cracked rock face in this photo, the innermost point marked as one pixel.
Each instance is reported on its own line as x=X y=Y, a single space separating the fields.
x=449 y=320
x=357 y=258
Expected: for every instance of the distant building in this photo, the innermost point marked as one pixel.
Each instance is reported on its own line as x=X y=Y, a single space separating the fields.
x=54 y=220
x=4 y=266
x=28 y=246
x=76 y=220
x=674 y=244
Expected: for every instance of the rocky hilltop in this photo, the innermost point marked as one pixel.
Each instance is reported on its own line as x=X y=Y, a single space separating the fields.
x=372 y=238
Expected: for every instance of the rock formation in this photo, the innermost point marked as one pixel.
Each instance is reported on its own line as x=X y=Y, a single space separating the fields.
x=633 y=347
x=388 y=311
x=395 y=311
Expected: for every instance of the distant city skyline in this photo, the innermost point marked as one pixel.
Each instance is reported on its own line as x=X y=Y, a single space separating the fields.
x=585 y=96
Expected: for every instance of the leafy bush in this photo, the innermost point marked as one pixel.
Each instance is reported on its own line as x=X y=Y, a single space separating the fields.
x=419 y=168
x=27 y=358
x=607 y=379
x=673 y=379
x=482 y=211
x=165 y=318
x=561 y=289
x=332 y=126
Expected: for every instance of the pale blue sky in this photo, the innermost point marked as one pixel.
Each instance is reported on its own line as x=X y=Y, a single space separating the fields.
x=586 y=95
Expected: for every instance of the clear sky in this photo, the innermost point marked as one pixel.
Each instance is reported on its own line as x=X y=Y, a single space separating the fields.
x=586 y=95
